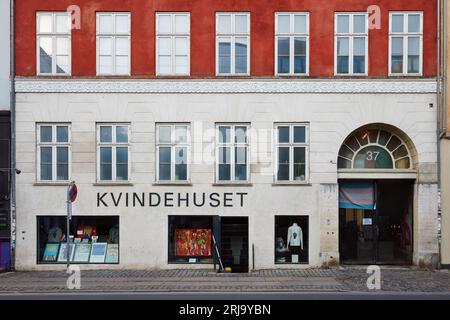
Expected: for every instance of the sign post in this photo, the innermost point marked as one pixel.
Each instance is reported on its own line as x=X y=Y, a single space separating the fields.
x=72 y=193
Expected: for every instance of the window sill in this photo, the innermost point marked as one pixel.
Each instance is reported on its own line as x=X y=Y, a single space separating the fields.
x=172 y=183
x=291 y=184
x=232 y=184
x=405 y=75
x=351 y=75
x=113 y=184
x=53 y=75
x=50 y=183
x=292 y=75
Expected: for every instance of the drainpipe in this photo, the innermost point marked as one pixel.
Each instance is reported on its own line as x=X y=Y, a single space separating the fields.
x=438 y=129
x=13 y=140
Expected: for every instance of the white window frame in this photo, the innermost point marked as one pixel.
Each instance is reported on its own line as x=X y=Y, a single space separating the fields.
x=291 y=146
x=54 y=35
x=54 y=145
x=405 y=35
x=233 y=35
x=114 y=35
x=291 y=35
x=113 y=144
x=232 y=145
x=173 y=35
x=173 y=145
x=351 y=35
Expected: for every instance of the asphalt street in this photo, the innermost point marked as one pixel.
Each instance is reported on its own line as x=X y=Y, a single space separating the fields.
x=236 y=296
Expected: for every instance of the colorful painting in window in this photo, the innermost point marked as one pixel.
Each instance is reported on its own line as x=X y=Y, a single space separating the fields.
x=193 y=242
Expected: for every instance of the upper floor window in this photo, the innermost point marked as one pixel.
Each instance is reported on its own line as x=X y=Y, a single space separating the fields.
x=113 y=152
x=351 y=44
x=291 y=152
x=291 y=43
x=232 y=43
x=405 y=43
x=53 y=152
x=53 y=43
x=232 y=154
x=172 y=152
x=113 y=43
x=172 y=43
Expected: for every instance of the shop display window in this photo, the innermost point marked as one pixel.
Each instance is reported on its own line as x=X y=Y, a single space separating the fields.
x=291 y=239
x=190 y=239
x=92 y=239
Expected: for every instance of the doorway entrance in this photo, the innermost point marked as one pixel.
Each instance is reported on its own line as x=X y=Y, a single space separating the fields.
x=380 y=233
x=234 y=243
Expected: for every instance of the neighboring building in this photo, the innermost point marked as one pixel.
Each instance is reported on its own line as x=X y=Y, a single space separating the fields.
x=5 y=133
x=293 y=134
x=445 y=153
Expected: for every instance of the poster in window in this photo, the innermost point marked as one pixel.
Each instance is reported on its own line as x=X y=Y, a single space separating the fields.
x=98 y=252
x=62 y=256
x=82 y=252
x=193 y=242
x=51 y=252
x=112 y=253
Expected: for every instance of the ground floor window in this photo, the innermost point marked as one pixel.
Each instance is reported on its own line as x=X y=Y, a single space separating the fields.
x=291 y=239
x=92 y=239
x=190 y=239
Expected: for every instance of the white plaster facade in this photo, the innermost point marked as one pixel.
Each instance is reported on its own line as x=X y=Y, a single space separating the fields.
x=331 y=116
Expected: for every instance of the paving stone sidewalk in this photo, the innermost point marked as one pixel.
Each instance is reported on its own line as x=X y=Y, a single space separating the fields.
x=339 y=279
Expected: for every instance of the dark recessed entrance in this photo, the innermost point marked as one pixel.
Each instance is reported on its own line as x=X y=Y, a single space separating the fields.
x=234 y=243
x=379 y=232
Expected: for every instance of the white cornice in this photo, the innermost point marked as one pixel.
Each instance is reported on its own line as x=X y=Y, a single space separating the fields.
x=35 y=85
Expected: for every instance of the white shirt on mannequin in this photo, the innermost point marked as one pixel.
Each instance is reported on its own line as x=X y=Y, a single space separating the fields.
x=295 y=236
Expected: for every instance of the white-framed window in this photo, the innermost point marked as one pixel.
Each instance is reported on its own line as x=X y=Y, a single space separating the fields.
x=291 y=43
x=53 y=152
x=172 y=43
x=232 y=153
x=405 y=43
x=172 y=152
x=351 y=43
x=53 y=43
x=232 y=43
x=291 y=152
x=113 y=152
x=113 y=43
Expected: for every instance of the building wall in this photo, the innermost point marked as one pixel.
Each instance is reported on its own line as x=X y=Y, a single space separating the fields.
x=202 y=35
x=143 y=231
x=445 y=198
x=445 y=160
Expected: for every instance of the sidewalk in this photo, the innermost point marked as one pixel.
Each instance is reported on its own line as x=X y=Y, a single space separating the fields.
x=341 y=279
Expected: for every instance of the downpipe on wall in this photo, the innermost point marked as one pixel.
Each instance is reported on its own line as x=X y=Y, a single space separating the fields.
x=440 y=94
x=13 y=139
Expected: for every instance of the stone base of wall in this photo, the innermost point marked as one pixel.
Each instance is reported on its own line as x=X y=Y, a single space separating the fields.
x=329 y=259
x=426 y=260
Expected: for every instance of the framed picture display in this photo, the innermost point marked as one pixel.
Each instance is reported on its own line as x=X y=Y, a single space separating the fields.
x=98 y=252
x=62 y=256
x=51 y=252
x=112 y=253
x=82 y=252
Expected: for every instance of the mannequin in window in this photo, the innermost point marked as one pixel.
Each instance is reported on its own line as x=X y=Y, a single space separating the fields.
x=295 y=238
x=281 y=250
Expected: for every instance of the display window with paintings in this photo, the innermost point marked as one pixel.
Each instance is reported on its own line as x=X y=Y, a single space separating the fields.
x=291 y=239
x=190 y=239
x=92 y=239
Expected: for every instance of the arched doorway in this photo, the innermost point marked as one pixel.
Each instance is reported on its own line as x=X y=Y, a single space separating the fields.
x=376 y=178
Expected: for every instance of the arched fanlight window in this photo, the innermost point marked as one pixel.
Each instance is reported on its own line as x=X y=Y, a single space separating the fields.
x=374 y=149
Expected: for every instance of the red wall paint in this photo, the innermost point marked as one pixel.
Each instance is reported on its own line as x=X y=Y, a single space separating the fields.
x=203 y=33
